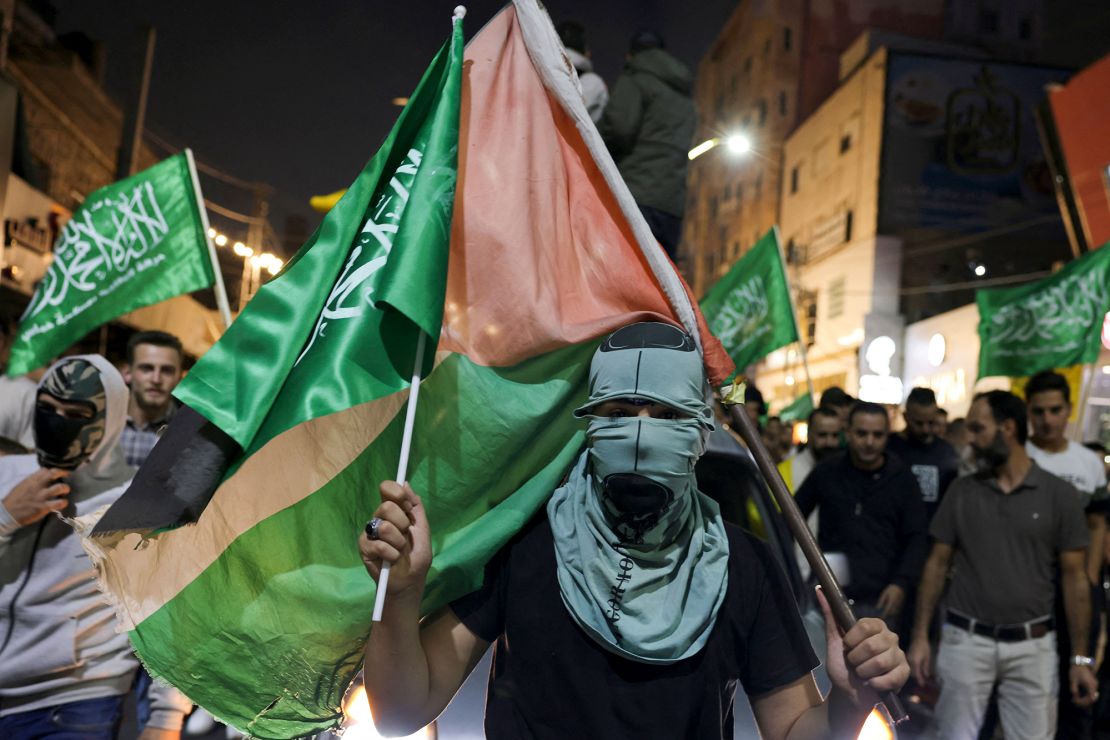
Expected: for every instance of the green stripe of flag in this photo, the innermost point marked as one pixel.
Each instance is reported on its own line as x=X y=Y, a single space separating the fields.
x=260 y=611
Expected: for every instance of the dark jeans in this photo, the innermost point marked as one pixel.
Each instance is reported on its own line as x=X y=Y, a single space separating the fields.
x=93 y=719
x=141 y=691
x=666 y=228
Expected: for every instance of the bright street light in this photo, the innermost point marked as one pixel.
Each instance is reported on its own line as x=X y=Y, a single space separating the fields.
x=736 y=144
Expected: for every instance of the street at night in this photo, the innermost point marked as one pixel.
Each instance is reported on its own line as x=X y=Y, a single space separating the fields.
x=515 y=370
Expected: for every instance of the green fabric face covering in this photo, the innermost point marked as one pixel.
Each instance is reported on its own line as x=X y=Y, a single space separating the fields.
x=641 y=554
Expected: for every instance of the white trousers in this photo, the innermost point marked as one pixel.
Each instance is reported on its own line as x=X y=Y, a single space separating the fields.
x=969 y=665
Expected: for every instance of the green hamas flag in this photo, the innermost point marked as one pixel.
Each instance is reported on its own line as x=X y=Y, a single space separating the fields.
x=749 y=309
x=130 y=244
x=799 y=410
x=340 y=325
x=1055 y=322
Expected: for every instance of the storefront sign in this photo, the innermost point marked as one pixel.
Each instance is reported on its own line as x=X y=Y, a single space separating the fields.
x=880 y=386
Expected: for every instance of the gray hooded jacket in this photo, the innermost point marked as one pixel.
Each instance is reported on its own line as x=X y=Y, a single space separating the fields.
x=64 y=646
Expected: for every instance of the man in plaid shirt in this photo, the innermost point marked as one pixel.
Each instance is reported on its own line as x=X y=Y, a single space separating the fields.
x=153 y=370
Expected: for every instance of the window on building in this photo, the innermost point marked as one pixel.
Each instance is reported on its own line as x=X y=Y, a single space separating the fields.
x=761 y=111
x=727 y=195
x=766 y=47
x=748 y=66
x=732 y=84
x=836 y=298
x=988 y=21
x=713 y=207
x=739 y=194
x=735 y=250
x=1025 y=29
x=724 y=240
x=791 y=251
x=848 y=226
x=845 y=143
x=787 y=38
x=807 y=303
x=793 y=179
x=758 y=185
x=782 y=103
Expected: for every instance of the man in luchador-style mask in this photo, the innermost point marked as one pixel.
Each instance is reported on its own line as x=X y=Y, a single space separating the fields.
x=626 y=608
x=64 y=669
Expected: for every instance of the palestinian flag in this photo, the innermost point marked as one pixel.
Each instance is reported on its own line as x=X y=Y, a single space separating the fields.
x=259 y=610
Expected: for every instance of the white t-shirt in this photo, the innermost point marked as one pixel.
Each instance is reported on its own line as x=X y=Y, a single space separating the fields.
x=1077 y=465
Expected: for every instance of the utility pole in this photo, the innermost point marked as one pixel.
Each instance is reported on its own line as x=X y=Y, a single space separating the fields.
x=131 y=138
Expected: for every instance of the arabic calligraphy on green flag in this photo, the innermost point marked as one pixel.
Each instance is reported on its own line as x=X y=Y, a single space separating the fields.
x=1055 y=322
x=749 y=309
x=131 y=244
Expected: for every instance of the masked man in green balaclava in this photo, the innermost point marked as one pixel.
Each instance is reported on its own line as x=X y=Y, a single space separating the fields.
x=627 y=608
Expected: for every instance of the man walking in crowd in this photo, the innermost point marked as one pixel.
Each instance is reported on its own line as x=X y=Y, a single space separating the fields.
x=869 y=509
x=594 y=91
x=1002 y=532
x=632 y=609
x=648 y=127
x=1048 y=401
x=931 y=458
x=823 y=443
x=940 y=423
x=64 y=669
x=153 y=370
x=824 y=430
x=957 y=437
x=773 y=436
x=838 y=400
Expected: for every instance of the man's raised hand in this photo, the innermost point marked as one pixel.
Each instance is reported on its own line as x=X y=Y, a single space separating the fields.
x=37 y=495
x=402 y=540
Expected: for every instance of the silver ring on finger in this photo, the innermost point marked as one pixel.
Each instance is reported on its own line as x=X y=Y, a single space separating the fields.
x=372 y=528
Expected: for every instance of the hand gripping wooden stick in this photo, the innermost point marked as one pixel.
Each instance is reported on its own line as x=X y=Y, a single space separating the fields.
x=842 y=612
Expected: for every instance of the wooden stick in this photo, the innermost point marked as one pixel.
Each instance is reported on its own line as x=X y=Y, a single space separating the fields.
x=841 y=611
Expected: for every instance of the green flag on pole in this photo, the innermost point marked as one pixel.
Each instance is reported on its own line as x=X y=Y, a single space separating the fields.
x=1055 y=322
x=750 y=309
x=131 y=244
x=799 y=409
x=374 y=275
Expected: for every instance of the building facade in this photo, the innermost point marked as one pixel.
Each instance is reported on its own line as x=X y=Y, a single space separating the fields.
x=917 y=181
x=60 y=134
x=772 y=65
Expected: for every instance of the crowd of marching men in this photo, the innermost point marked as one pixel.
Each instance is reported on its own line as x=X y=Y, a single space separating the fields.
x=979 y=540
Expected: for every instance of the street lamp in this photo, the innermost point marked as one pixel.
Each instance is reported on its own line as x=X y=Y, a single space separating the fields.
x=738 y=144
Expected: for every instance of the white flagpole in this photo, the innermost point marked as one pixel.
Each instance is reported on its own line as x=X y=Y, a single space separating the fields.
x=403 y=462
x=218 y=286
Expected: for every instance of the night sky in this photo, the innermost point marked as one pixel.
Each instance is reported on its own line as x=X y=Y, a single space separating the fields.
x=297 y=94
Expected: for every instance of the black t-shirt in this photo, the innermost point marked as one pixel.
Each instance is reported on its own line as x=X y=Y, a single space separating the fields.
x=935 y=466
x=551 y=680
